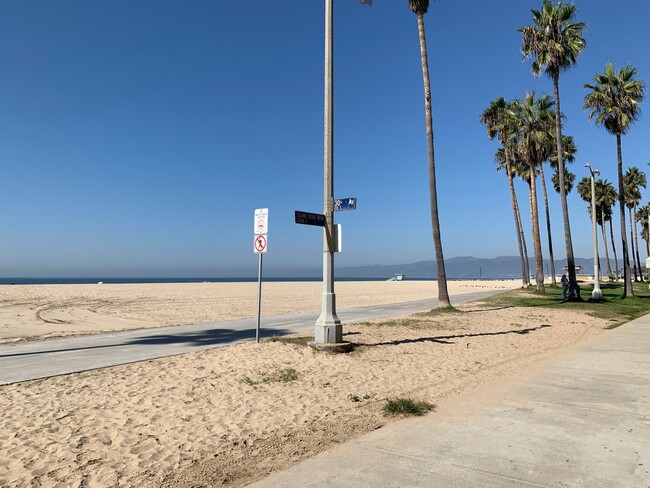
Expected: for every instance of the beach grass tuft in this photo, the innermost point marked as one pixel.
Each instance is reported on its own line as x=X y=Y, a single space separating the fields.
x=284 y=375
x=296 y=341
x=407 y=406
x=438 y=312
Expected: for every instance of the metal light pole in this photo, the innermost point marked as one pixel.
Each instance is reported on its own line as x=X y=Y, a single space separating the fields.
x=596 y=294
x=328 y=325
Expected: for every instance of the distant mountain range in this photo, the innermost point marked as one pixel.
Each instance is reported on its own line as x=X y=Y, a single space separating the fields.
x=463 y=267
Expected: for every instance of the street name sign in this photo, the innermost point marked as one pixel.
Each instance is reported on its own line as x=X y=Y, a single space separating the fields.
x=310 y=218
x=261 y=221
x=345 y=204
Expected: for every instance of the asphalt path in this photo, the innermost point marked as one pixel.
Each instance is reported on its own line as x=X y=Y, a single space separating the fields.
x=42 y=359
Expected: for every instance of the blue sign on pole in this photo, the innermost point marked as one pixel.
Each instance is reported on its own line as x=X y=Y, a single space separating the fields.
x=345 y=204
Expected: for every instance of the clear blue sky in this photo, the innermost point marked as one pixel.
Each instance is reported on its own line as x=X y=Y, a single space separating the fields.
x=137 y=138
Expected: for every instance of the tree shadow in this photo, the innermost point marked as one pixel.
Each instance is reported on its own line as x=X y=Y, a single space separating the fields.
x=505 y=307
x=449 y=339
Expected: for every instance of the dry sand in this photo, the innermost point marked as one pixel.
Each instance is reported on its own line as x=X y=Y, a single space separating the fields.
x=42 y=311
x=232 y=414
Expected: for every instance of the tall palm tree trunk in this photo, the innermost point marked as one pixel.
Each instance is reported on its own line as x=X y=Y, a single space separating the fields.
x=629 y=213
x=523 y=241
x=537 y=244
x=548 y=225
x=515 y=210
x=443 y=295
x=570 y=260
x=611 y=233
x=602 y=228
x=627 y=277
x=636 y=244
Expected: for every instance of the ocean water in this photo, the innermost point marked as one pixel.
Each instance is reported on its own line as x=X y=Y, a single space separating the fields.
x=114 y=280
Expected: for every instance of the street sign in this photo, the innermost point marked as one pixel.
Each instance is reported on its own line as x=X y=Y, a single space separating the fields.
x=259 y=244
x=261 y=221
x=310 y=218
x=345 y=204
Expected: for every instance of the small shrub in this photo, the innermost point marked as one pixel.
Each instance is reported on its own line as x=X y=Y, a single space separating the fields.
x=407 y=406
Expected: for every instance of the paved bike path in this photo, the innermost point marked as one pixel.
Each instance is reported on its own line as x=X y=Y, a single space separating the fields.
x=40 y=359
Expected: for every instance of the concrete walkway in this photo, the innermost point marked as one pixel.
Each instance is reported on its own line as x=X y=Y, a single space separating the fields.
x=581 y=421
x=41 y=359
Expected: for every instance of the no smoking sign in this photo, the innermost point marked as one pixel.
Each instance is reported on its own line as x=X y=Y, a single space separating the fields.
x=259 y=244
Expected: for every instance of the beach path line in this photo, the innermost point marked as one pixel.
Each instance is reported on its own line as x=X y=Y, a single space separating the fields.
x=30 y=360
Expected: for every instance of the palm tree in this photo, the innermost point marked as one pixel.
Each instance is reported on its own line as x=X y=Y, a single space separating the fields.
x=499 y=158
x=520 y=169
x=614 y=103
x=496 y=118
x=642 y=217
x=584 y=190
x=605 y=199
x=568 y=153
x=419 y=8
x=569 y=179
x=611 y=234
x=555 y=41
x=633 y=181
x=534 y=117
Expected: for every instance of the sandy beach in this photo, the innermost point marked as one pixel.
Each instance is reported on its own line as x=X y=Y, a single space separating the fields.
x=43 y=311
x=231 y=415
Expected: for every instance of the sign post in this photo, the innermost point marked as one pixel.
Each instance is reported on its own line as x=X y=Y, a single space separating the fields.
x=259 y=247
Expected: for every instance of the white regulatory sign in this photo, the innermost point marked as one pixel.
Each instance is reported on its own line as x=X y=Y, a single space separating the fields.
x=259 y=244
x=261 y=221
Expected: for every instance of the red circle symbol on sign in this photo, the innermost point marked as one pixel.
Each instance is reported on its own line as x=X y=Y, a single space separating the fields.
x=260 y=244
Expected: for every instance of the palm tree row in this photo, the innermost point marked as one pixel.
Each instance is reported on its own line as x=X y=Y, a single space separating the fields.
x=530 y=133
x=526 y=128
x=613 y=103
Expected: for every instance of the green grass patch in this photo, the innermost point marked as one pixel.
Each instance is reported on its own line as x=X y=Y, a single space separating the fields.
x=407 y=406
x=296 y=341
x=285 y=375
x=612 y=307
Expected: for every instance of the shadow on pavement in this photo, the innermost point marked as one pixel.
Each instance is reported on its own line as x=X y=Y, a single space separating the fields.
x=192 y=339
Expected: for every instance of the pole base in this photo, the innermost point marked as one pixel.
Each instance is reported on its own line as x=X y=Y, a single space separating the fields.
x=596 y=295
x=328 y=334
